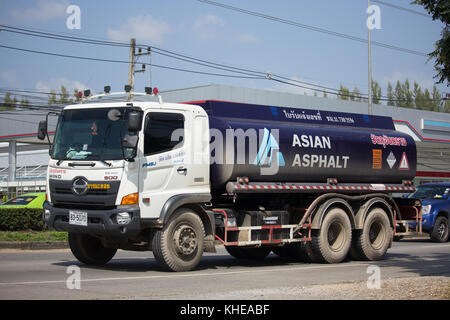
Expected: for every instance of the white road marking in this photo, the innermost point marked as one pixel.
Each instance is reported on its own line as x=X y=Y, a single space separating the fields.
x=420 y=247
x=193 y=274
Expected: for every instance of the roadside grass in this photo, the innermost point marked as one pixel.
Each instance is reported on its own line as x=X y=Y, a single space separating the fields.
x=33 y=236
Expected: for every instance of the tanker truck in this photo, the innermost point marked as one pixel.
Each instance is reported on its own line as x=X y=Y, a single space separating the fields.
x=180 y=178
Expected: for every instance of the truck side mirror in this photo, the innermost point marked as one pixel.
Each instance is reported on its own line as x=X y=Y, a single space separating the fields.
x=130 y=141
x=135 y=121
x=42 y=130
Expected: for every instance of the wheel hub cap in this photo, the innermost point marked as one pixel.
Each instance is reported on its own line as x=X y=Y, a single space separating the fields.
x=185 y=240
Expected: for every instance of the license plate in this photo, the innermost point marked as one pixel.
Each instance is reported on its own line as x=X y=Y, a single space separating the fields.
x=78 y=218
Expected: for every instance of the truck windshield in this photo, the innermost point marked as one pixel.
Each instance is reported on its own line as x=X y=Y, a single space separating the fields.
x=431 y=192
x=90 y=134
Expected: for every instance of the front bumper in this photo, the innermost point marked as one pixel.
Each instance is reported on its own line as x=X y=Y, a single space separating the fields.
x=100 y=222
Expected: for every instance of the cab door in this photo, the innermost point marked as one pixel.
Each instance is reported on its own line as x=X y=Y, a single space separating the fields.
x=164 y=169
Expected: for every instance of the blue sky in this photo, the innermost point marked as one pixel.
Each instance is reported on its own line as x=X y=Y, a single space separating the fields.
x=216 y=34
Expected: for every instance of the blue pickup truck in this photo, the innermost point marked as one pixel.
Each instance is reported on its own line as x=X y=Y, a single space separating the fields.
x=435 y=209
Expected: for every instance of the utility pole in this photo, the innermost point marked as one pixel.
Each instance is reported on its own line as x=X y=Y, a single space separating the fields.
x=133 y=60
x=370 y=65
x=131 y=67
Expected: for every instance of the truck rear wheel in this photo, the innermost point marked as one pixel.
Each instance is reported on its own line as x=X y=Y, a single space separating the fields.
x=440 y=230
x=245 y=253
x=179 y=245
x=372 y=242
x=332 y=242
x=89 y=249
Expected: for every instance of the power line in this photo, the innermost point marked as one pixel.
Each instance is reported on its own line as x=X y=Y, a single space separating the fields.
x=55 y=36
x=313 y=28
x=127 y=62
x=401 y=8
x=249 y=74
x=174 y=55
x=156 y=50
x=17 y=120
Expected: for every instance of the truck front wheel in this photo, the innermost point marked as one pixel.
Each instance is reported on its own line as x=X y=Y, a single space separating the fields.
x=89 y=249
x=332 y=242
x=374 y=239
x=179 y=245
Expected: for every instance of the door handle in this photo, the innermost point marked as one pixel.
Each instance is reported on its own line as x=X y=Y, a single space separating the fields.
x=182 y=170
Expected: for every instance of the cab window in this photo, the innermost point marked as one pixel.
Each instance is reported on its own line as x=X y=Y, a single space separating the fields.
x=163 y=132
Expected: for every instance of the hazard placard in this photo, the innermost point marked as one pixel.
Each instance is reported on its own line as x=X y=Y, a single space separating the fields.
x=404 y=165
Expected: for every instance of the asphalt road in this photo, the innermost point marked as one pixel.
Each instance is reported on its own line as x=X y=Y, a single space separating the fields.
x=135 y=275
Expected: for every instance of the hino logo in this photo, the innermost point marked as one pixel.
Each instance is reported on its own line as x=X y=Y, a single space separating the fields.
x=79 y=186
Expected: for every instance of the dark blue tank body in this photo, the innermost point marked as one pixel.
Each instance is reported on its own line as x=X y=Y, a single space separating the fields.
x=283 y=144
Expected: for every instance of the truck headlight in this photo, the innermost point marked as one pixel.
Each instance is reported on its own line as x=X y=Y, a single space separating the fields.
x=426 y=209
x=123 y=218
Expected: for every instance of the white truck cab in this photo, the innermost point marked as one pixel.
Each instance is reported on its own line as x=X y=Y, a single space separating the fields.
x=99 y=186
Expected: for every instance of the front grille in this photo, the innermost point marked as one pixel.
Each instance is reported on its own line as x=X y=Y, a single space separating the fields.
x=63 y=197
x=62 y=190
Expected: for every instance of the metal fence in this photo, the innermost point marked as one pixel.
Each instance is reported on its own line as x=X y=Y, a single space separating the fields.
x=29 y=179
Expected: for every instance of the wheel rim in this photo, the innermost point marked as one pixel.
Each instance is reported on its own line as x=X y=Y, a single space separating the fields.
x=336 y=236
x=377 y=235
x=185 y=240
x=442 y=230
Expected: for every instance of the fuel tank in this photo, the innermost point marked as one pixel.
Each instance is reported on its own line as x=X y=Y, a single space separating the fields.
x=285 y=144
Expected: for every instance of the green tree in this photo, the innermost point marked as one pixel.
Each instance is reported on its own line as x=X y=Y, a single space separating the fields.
x=399 y=95
x=418 y=96
x=325 y=94
x=64 y=96
x=446 y=106
x=390 y=95
x=356 y=95
x=52 y=98
x=427 y=100
x=440 y=10
x=343 y=93
x=409 y=102
x=24 y=102
x=437 y=103
x=376 y=92
x=8 y=102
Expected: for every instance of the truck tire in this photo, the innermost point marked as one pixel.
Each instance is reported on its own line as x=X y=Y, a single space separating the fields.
x=179 y=245
x=89 y=249
x=372 y=242
x=440 y=230
x=332 y=242
x=243 y=253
